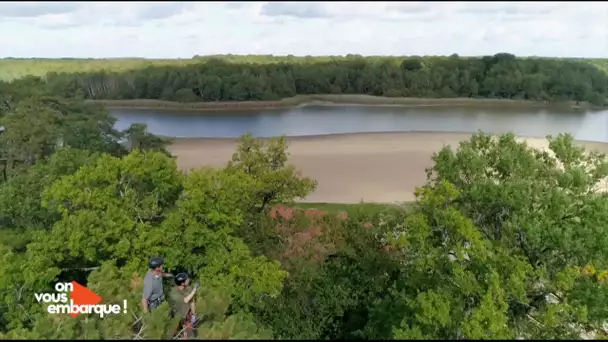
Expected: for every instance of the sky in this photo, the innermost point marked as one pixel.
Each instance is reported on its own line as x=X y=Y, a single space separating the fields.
x=185 y=29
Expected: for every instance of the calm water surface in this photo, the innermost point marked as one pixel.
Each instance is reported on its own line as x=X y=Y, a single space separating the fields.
x=318 y=120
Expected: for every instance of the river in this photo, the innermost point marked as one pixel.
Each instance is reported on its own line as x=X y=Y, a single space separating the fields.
x=320 y=120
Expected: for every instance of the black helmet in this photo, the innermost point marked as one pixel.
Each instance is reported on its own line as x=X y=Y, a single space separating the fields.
x=181 y=278
x=155 y=263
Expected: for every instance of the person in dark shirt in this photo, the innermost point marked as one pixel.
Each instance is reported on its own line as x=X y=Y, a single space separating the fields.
x=182 y=303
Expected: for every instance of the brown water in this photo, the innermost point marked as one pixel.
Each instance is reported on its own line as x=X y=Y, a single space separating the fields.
x=320 y=120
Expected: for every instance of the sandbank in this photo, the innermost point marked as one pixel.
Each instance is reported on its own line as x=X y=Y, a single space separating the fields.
x=349 y=168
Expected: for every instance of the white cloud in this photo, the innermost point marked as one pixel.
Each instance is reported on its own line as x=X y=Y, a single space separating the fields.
x=184 y=29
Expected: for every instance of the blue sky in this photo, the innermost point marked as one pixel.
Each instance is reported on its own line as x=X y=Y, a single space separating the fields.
x=184 y=29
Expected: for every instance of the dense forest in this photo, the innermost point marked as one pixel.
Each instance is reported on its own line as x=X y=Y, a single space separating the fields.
x=241 y=78
x=503 y=241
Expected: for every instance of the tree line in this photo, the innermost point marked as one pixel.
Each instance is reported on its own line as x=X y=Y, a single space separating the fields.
x=226 y=78
x=503 y=241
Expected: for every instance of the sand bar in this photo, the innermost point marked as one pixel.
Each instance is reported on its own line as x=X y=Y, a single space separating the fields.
x=373 y=167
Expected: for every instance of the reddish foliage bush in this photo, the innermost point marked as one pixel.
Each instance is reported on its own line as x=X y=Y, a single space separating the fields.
x=343 y=215
x=281 y=211
x=309 y=234
x=303 y=231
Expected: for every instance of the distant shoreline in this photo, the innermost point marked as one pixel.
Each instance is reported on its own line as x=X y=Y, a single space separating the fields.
x=324 y=100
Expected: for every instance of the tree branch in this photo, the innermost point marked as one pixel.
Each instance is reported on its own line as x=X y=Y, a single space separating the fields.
x=80 y=269
x=185 y=327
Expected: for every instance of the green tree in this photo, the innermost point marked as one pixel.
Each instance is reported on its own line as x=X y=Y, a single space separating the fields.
x=138 y=137
x=528 y=222
x=270 y=180
x=114 y=213
x=21 y=196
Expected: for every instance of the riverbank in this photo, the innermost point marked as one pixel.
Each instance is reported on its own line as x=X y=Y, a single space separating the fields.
x=349 y=168
x=324 y=100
